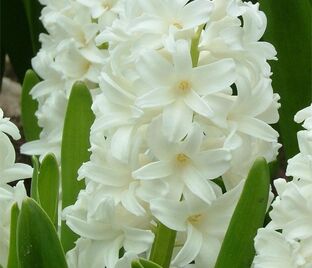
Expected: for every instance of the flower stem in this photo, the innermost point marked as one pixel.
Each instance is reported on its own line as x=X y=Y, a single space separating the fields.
x=194 y=45
x=163 y=245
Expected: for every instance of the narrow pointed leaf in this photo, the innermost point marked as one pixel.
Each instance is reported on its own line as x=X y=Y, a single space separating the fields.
x=237 y=250
x=29 y=107
x=34 y=181
x=48 y=187
x=163 y=245
x=75 y=144
x=33 y=10
x=292 y=72
x=37 y=241
x=13 y=259
x=16 y=36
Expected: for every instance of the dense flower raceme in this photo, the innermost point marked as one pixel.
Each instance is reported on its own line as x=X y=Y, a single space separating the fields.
x=287 y=240
x=166 y=124
x=9 y=171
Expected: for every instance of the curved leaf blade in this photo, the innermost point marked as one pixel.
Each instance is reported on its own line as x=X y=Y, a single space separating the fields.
x=48 y=187
x=75 y=144
x=34 y=181
x=29 y=107
x=16 y=36
x=33 y=11
x=237 y=250
x=38 y=245
x=292 y=72
x=13 y=258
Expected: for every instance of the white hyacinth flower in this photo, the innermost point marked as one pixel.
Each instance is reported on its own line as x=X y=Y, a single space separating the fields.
x=287 y=240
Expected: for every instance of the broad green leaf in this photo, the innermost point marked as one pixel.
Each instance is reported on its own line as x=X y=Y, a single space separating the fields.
x=34 y=181
x=289 y=30
x=48 y=187
x=29 y=107
x=33 y=10
x=237 y=250
x=13 y=259
x=163 y=245
x=16 y=36
x=38 y=245
x=75 y=144
x=142 y=263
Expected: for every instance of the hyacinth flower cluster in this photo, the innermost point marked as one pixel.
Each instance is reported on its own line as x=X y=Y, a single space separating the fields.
x=181 y=95
x=9 y=172
x=287 y=240
x=183 y=104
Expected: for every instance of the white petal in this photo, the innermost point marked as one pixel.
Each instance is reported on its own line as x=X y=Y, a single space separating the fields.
x=156 y=98
x=191 y=247
x=137 y=240
x=171 y=213
x=158 y=143
x=9 y=128
x=197 y=184
x=111 y=253
x=257 y=128
x=212 y=163
x=16 y=172
x=130 y=202
x=196 y=13
x=197 y=104
x=192 y=143
x=177 y=120
x=182 y=59
x=121 y=142
x=154 y=170
x=154 y=69
x=214 y=76
x=91 y=229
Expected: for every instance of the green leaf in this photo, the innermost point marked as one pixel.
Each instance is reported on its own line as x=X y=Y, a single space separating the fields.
x=163 y=245
x=13 y=259
x=142 y=263
x=136 y=264
x=48 y=187
x=33 y=11
x=237 y=250
x=289 y=30
x=29 y=107
x=34 y=181
x=75 y=144
x=37 y=241
x=16 y=36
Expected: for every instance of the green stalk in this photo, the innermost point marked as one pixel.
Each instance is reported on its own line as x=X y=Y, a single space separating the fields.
x=194 y=45
x=163 y=245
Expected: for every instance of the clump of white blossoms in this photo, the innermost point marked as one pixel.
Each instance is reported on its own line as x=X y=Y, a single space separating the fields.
x=9 y=172
x=182 y=95
x=287 y=240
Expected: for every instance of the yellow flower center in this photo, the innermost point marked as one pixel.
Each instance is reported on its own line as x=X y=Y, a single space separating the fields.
x=182 y=158
x=184 y=85
x=195 y=218
x=178 y=25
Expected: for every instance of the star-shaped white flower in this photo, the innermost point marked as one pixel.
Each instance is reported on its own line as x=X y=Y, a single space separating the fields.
x=183 y=162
